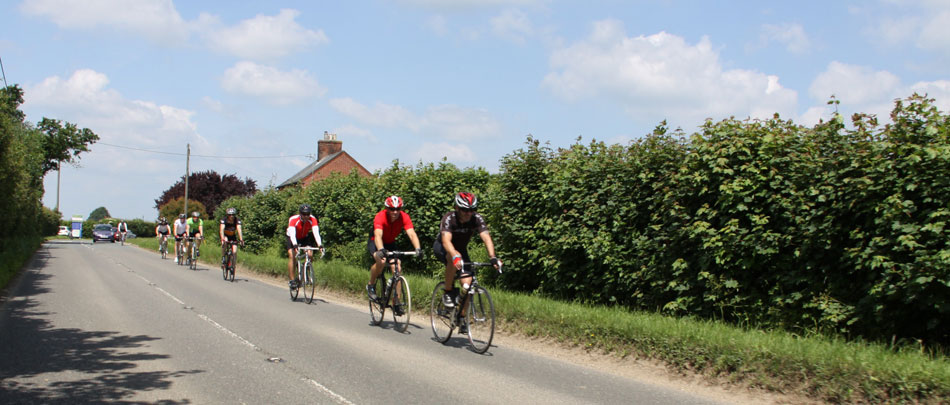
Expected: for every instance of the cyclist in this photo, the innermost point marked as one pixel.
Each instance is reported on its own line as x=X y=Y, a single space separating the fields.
x=122 y=228
x=195 y=228
x=181 y=228
x=387 y=224
x=162 y=231
x=230 y=229
x=451 y=247
x=302 y=230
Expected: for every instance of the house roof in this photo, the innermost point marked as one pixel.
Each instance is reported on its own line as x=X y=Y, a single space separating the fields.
x=306 y=171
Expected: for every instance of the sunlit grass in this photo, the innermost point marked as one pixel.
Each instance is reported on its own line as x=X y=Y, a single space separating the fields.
x=822 y=368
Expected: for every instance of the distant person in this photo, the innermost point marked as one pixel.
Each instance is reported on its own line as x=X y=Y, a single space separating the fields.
x=180 y=229
x=230 y=230
x=162 y=231
x=302 y=230
x=387 y=225
x=195 y=227
x=122 y=228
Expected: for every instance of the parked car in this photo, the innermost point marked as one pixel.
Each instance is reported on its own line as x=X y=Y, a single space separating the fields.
x=103 y=232
x=63 y=231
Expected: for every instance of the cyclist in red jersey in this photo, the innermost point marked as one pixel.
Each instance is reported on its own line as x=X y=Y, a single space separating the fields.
x=302 y=230
x=387 y=225
x=451 y=247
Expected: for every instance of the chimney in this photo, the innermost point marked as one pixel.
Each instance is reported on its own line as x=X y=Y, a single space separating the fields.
x=328 y=145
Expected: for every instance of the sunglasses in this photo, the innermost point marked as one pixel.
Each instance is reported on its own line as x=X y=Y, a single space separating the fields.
x=393 y=209
x=467 y=209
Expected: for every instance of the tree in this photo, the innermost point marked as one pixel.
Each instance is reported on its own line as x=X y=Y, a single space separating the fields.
x=174 y=207
x=208 y=188
x=98 y=214
x=63 y=142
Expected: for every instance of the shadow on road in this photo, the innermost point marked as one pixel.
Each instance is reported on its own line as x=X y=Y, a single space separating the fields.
x=90 y=366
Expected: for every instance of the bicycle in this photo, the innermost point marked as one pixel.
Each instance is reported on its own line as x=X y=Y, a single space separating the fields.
x=179 y=252
x=397 y=288
x=122 y=238
x=193 y=253
x=304 y=274
x=227 y=269
x=473 y=300
x=163 y=247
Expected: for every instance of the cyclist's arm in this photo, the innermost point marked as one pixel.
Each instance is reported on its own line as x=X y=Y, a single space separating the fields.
x=292 y=234
x=378 y=238
x=156 y=231
x=411 y=233
x=490 y=247
x=221 y=232
x=316 y=235
x=447 y=244
x=240 y=234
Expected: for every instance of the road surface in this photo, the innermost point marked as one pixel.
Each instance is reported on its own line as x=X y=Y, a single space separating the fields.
x=107 y=323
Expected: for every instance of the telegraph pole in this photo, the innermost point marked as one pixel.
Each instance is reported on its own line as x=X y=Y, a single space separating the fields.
x=58 y=171
x=187 y=162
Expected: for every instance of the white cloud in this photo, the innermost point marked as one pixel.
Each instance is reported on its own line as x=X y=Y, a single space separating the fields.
x=661 y=76
x=86 y=98
x=935 y=33
x=271 y=84
x=446 y=121
x=157 y=20
x=924 y=24
x=791 y=35
x=470 y=4
x=352 y=131
x=863 y=89
x=434 y=152
x=266 y=37
x=513 y=25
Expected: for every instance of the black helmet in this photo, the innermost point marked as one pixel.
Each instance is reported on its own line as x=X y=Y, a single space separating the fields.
x=232 y=211
x=304 y=209
x=163 y=220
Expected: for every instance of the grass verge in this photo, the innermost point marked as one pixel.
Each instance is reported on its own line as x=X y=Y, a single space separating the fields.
x=817 y=367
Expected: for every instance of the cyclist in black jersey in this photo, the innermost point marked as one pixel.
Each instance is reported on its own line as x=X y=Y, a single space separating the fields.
x=451 y=247
x=230 y=230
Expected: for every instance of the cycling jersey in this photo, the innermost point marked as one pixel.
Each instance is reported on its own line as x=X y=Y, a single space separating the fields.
x=230 y=227
x=298 y=229
x=179 y=227
x=162 y=229
x=390 y=229
x=122 y=227
x=461 y=233
x=195 y=226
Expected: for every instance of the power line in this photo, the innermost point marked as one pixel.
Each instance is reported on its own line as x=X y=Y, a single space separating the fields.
x=204 y=156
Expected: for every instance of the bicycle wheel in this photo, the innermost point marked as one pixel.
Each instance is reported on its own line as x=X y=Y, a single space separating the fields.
x=439 y=316
x=402 y=304
x=308 y=283
x=179 y=254
x=164 y=249
x=232 y=261
x=224 y=267
x=193 y=263
x=377 y=307
x=295 y=291
x=481 y=320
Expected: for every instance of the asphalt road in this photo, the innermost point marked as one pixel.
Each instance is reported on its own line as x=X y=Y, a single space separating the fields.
x=107 y=323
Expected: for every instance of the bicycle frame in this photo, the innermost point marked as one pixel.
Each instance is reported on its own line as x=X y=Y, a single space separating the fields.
x=444 y=320
x=392 y=263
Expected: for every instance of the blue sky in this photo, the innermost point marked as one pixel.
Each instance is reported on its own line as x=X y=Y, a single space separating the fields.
x=418 y=80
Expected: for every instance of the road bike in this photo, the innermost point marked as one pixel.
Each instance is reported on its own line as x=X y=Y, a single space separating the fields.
x=193 y=252
x=394 y=293
x=163 y=247
x=474 y=311
x=303 y=274
x=230 y=259
x=179 y=252
x=122 y=238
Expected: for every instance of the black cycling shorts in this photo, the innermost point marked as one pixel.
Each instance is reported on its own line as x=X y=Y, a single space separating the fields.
x=371 y=247
x=441 y=254
x=307 y=241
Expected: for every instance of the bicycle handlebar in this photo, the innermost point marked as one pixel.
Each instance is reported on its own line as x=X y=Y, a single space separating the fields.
x=470 y=265
x=395 y=253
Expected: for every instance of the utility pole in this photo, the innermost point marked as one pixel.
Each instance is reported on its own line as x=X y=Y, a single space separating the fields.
x=187 y=162
x=58 y=171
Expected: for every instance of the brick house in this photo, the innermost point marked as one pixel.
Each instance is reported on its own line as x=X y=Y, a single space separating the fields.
x=331 y=158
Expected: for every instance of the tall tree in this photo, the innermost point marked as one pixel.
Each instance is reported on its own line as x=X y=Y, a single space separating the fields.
x=208 y=188
x=98 y=214
x=63 y=142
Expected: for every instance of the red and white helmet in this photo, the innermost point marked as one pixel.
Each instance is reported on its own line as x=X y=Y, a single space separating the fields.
x=393 y=202
x=466 y=200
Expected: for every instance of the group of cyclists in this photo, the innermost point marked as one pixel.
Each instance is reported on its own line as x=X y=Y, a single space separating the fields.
x=456 y=229
x=186 y=229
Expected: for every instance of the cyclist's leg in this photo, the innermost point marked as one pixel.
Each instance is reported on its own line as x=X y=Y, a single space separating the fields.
x=290 y=258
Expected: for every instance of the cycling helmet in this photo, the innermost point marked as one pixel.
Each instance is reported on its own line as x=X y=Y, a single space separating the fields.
x=162 y=220
x=195 y=214
x=232 y=211
x=304 y=209
x=181 y=216
x=466 y=200
x=393 y=202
